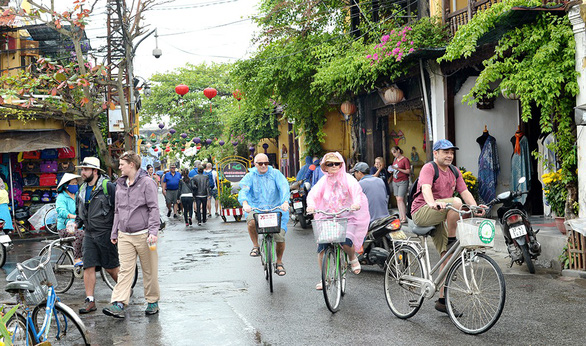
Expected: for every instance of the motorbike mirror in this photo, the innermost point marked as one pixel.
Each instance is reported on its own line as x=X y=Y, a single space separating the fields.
x=522 y=180
x=504 y=195
x=307 y=186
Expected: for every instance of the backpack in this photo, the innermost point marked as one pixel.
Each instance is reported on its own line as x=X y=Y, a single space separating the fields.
x=414 y=191
x=49 y=154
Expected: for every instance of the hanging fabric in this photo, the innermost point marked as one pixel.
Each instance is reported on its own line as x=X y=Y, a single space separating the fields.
x=488 y=167
x=521 y=165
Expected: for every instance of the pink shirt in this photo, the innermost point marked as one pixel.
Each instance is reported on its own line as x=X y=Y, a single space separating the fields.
x=444 y=186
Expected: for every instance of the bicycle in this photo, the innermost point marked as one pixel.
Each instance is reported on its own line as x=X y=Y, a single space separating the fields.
x=474 y=283
x=32 y=283
x=50 y=219
x=61 y=259
x=332 y=232
x=267 y=223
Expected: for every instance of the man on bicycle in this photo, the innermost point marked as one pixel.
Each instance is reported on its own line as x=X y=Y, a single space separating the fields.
x=95 y=212
x=264 y=187
x=433 y=194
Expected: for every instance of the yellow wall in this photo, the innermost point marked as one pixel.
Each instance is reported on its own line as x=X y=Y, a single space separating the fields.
x=413 y=129
x=435 y=7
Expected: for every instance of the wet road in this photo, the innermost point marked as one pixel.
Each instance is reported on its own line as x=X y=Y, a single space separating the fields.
x=213 y=293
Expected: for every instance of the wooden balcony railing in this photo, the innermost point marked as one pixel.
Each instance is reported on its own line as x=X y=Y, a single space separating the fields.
x=461 y=17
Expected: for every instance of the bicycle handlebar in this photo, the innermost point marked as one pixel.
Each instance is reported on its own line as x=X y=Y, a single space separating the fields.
x=266 y=210
x=333 y=214
x=472 y=208
x=44 y=263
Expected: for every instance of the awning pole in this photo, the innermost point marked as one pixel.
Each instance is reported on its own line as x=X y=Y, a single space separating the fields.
x=11 y=185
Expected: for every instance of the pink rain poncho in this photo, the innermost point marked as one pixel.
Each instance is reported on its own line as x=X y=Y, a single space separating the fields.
x=338 y=191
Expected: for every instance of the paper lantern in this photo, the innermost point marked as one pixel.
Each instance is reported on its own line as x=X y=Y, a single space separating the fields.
x=184 y=135
x=196 y=140
x=210 y=93
x=182 y=149
x=221 y=142
x=393 y=95
x=165 y=141
x=208 y=141
x=234 y=143
x=192 y=145
x=348 y=108
x=238 y=96
x=172 y=131
x=161 y=125
x=156 y=149
x=154 y=140
x=167 y=149
x=251 y=149
x=182 y=89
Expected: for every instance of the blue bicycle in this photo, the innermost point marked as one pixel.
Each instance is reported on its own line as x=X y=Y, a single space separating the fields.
x=267 y=222
x=32 y=283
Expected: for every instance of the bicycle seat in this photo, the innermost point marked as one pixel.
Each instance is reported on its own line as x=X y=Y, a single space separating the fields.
x=423 y=231
x=17 y=286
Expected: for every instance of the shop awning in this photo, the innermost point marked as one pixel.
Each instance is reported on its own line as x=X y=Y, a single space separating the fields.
x=18 y=141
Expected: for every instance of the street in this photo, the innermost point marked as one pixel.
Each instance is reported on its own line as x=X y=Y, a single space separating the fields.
x=214 y=293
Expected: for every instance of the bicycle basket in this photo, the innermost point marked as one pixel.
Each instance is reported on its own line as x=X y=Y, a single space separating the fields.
x=38 y=278
x=327 y=231
x=267 y=222
x=476 y=232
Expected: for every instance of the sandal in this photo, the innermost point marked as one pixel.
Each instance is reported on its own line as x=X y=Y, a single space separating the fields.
x=319 y=286
x=255 y=252
x=280 y=269
x=355 y=266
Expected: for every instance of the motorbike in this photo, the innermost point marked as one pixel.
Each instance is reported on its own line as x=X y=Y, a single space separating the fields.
x=298 y=204
x=520 y=237
x=378 y=241
x=5 y=244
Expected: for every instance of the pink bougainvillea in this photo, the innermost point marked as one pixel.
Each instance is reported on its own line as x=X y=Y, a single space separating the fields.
x=394 y=45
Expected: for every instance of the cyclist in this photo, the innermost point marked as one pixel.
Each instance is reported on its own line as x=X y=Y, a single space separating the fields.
x=429 y=205
x=336 y=191
x=65 y=206
x=264 y=187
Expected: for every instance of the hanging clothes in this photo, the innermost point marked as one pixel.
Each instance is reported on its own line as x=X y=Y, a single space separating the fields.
x=521 y=165
x=488 y=167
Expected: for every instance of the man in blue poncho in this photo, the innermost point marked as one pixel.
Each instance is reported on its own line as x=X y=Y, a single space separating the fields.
x=264 y=187
x=304 y=169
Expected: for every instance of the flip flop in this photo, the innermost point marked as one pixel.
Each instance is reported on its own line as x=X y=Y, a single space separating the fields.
x=319 y=286
x=255 y=252
x=281 y=271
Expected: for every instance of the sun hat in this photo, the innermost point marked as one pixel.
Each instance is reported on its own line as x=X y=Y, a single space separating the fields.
x=444 y=144
x=91 y=162
x=330 y=157
x=67 y=177
x=361 y=167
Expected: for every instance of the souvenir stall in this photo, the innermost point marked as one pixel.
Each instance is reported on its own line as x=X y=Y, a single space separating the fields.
x=231 y=170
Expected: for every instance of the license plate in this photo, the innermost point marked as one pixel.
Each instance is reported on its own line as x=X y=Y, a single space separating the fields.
x=518 y=231
x=267 y=220
x=297 y=205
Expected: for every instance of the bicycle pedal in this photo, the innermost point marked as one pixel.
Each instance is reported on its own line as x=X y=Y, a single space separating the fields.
x=413 y=303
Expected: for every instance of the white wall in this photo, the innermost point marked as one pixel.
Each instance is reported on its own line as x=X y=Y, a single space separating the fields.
x=437 y=102
x=501 y=122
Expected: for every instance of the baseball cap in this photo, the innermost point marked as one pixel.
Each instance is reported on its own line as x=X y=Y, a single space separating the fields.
x=444 y=144
x=360 y=167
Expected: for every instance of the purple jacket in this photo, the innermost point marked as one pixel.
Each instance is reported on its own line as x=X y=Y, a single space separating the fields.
x=137 y=205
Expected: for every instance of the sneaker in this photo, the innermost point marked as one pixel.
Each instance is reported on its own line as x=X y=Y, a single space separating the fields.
x=217 y=214
x=89 y=306
x=199 y=223
x=152 y=308
x=187 y=224
x=175 y=216
x=114 y=310
x=169 y=213
x=190 y=222
x=442 y=308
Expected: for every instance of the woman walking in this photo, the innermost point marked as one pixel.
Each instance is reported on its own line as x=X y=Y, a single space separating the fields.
x=135 y=229
x=186 y=196
x=401 y=168
x=65 y=205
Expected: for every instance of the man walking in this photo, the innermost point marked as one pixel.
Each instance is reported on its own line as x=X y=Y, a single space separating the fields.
x=213 y=189
x=170 y=187
x=95 y=213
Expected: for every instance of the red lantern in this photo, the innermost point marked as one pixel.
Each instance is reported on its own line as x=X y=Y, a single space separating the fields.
x=210 y=93
x=238 y=96
x=348 y=108
x=182 y=89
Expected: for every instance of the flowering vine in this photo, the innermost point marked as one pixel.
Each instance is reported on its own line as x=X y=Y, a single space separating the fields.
x=396 y=45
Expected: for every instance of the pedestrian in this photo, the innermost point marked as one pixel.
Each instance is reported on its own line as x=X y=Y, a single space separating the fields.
x=201 y=184
x=66 y=210
x=95 y=214
x=170 y=189
x=379 y=170
x=186 y=196
x=374 y=190
x=151 y=173
x=4 y=210
x=196 y=165
x=213 y=190
x=135 y=230
x=400 y=169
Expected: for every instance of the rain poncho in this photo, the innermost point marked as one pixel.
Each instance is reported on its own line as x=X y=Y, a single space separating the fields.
x=265 y=191
x=335 y=192
x=303 y=170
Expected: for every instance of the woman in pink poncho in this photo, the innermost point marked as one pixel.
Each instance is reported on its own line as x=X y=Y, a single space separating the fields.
x=335 y=191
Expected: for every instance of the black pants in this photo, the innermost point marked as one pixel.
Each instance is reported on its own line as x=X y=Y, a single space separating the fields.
x=187 y=203
x=200 y=208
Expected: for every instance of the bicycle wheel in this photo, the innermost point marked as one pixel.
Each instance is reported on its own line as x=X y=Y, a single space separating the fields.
x=403 y=298
x=50 y=220
x=476 y=289
x=62 y=262
x=66 y=328
x=111 y=283
x=16 y=325
x=344 y=271
x=269 y=261
x=331 y=279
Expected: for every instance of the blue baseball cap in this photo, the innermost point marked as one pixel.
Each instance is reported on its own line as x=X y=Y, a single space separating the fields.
x=444 y=144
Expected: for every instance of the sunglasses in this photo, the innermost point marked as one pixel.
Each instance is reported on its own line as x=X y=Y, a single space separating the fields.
x=332 y=164
x=262 y=163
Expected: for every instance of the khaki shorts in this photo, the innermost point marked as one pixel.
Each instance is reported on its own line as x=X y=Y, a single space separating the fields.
x=426 y=216
x=279 y=237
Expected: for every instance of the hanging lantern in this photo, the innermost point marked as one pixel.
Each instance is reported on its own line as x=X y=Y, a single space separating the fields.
x=208 y=141
x=348 y=108
x=154 y=140
x=251 y=149
x=182 y=89
x=148 y=145
x=184 y=135
x=165 y=141
x=168 y=149
x=265 y=146
x=393 y=95
x=161 y=125
x=153 y=135
x=198 y=147
x=210 y=93
x=192 y=145
x=221 y=142
x=182 y=149
x=234 y=143
x=172 y=131
x=156 y=149
x=238 y=96
x=196 y=140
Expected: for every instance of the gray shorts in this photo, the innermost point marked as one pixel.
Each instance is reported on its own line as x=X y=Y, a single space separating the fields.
x=400 y=188
x=98 y=251
x=171 y=197
x=279 y=237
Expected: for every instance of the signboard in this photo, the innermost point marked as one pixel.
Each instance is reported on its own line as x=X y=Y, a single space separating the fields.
x=234 y=171
x=115 y=122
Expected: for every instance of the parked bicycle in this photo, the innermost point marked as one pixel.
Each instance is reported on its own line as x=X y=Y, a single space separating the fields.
x=61 y=259
x=267 y=223
x=50 y=321
x=335 y=261
x=474 y=286
x=50 y=220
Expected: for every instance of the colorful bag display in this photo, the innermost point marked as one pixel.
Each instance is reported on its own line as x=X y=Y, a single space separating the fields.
x=46 y=197
x=30 y=167
x=31 y=180
x=49 y=154
x=66 y=153
x=66 y=166
x=49 y=167
x=26 y=196
x=48 y=179
x=31 y=155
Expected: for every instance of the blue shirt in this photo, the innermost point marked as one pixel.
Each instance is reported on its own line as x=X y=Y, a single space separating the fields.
x=193 y=173
x=172 y=180
x=374 y=189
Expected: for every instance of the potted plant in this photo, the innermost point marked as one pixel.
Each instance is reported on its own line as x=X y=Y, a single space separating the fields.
x=555 y=194
x=229 y=202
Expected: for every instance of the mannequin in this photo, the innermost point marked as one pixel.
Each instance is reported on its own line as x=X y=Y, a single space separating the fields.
x=482 y=139
x=488 y=166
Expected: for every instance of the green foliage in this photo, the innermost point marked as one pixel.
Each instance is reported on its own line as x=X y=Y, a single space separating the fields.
x=5 y=335
x=227 y=199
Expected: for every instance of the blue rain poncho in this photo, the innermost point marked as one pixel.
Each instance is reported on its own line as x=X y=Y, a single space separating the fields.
x=265 y=191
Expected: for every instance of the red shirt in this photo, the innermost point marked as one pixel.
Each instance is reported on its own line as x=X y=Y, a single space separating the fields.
x=444 y=186
x=402 y=164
